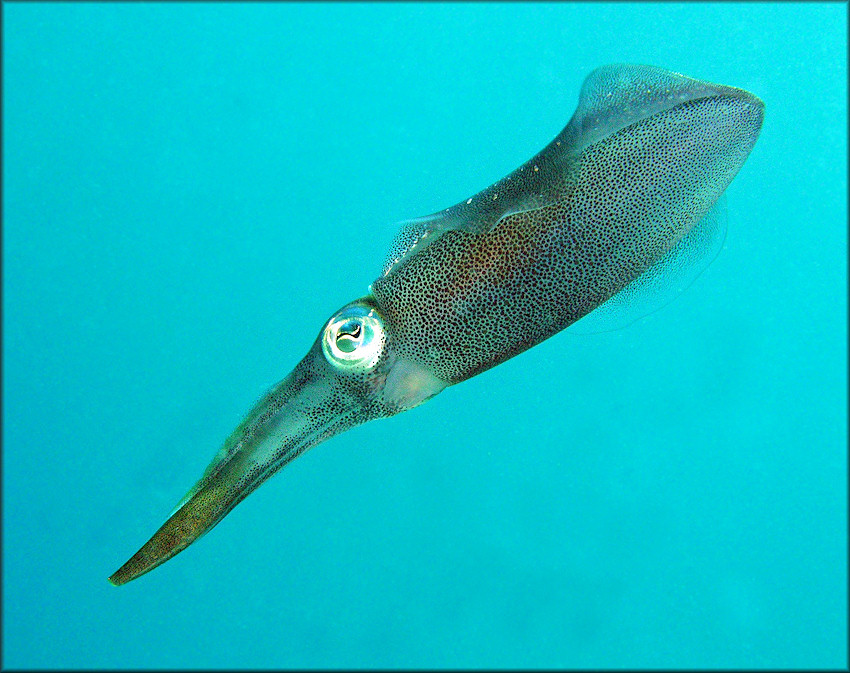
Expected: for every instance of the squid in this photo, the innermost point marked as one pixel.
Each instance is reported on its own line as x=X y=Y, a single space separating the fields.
x=627 y=195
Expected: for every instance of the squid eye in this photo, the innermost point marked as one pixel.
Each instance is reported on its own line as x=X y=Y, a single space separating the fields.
x=354 y=339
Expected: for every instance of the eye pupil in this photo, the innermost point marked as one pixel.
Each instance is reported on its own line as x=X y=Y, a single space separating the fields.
x=348 y=336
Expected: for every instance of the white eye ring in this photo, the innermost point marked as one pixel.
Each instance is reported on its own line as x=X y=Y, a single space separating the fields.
x=354 y=339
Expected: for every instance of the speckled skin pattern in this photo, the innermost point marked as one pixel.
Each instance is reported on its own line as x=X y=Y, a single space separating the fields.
x=468 y=301
x=644 y=158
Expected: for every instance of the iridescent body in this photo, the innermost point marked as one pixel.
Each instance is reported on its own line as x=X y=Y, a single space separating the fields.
x=624 y=195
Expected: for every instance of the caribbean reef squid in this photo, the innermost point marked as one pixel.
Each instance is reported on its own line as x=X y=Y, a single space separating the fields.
x=627 y=195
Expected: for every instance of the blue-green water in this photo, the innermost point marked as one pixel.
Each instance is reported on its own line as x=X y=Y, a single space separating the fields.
x=190 y=191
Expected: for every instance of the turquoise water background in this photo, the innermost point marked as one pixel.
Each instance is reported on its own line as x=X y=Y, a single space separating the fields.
x=191 y=190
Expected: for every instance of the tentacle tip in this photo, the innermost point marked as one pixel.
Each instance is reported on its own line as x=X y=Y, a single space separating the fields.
x=118 y=578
